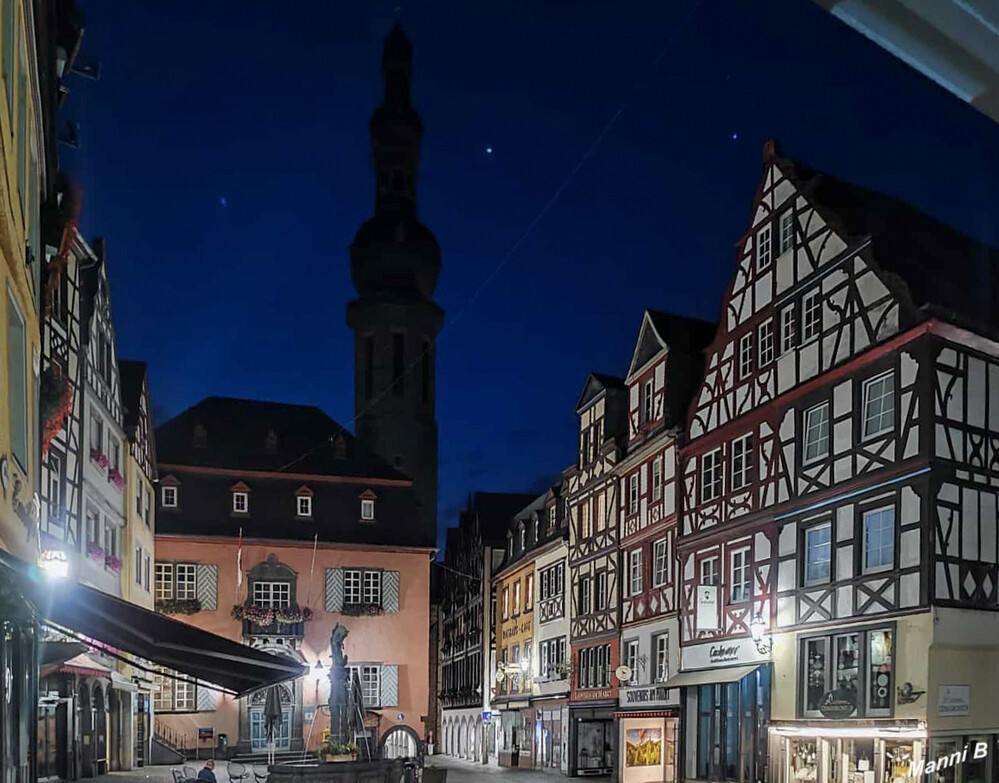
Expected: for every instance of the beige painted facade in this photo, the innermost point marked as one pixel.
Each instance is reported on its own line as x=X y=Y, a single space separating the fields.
x=138 y=544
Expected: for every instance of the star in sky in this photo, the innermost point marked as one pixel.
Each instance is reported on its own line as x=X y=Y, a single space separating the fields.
x=489 y=150
x=222 y=201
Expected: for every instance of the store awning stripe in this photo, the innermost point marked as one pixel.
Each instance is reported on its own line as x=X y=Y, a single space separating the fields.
x=709 y=676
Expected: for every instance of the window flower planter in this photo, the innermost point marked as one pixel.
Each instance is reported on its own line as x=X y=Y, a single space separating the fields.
x=265 y=615
x=115 y=477
x=173 y=606
x=113 y=563
x=99 y=458
x=96 y=552
x=362 y=610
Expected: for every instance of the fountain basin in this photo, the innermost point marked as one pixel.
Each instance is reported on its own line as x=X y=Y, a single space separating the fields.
x=311 y=771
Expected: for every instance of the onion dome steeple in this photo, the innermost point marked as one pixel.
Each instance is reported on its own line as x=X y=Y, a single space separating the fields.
x=393 y=250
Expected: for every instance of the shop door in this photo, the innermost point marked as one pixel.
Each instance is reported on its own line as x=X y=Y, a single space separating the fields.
x=141 y=728
x=258 y=730
x=46 y=742
x=594 y=750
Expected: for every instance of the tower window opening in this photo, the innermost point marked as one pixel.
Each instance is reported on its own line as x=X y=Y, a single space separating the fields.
x=369 y=367
x=398 y=363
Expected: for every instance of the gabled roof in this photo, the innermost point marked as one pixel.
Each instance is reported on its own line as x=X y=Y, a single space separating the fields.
x=494 y=511
x=667 y=331
x=938 y=270
x=133 y=376
x=596 y=384
x=238 y=437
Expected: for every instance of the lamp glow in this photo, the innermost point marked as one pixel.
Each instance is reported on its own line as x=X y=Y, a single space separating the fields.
x=758 y=629
x=54 y=563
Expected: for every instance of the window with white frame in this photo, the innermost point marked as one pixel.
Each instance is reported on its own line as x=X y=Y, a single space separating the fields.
x=811 y=316
x=711 y=475
x=742 y=460
x=766 y=338
x=635 y=572
x=368 y=675
x=367 y=510
x=647 y=402
x=657 y=479
x=786 y=230
x=763 y=247
x=169 y=497
x=96 y=432
x=660 y=570
x=523 y=537
x=163 y=695
x=240 y=502
x=147 y=567
x=601 y=591
x=816 y=445
x=187 y=581
x=114 y=454
x=818 y=551
x=660 y=649
x=516 y=598
x=373 y=587
x=879 y=539
x=787 y=329
x=858 y=664
x=551 y=518
x=164 y=581
x=506 y=603
x=273 y=595
x=585 y=595
x=709 y=571
x=184 y=696
x=110 y=538
x=741 y=584
x=631 y=659
x=633 y=493
x=138 y=565
x=879 y=406
x=352 y=586
x=745 y=355
x=303 y=505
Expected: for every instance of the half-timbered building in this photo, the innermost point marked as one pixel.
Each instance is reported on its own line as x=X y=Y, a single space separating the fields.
x=473 y=551
x=666 y=363
x=838 y=530
x=590 y=488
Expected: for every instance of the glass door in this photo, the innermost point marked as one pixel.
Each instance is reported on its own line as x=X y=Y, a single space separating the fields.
x=258 y=730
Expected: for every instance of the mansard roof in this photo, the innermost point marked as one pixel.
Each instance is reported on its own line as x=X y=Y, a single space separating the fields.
x=266 y=436
x=596 y=384
x=942 y=271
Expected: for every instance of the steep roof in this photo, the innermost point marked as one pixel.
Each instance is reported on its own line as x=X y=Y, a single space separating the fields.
x=494 y=511
x=133 y=376
x=944 y=272
x=240 y=434
x=597 y=382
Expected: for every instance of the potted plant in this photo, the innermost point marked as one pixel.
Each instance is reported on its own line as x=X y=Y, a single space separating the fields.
x=338 y=751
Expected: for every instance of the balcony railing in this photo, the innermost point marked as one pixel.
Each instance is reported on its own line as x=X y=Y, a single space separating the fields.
x=276 y=628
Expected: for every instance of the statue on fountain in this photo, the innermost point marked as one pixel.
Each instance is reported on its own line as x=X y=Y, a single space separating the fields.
x=346 y=699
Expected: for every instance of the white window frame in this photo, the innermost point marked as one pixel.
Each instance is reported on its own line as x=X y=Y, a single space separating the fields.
x=828 y=560
x=352 y=591
x=660 y=562
x=787 y=329
x=745 y=355
x=882 y=565
x=765 y=335
x=586 y=595
x=815 y=430
x=885 y=409
x=636 y=581
x=742 y=461
x=657 y=478
x=786 y=230
x=741 y=578
x=600 y=592
x=371 y=587
x=138 y=565
x=516 y=598
x=709 y=570
x=303 y=505
x=633 y=487
x=631 y=659
x=811 y=315
x=660 y=652
x=185 y=581
x=169 y=497
x=164 y=581
x=240 y=503
x=274 y=595
x=648 y=406
x=764 y=248
x=712 y=476
x=367 y=510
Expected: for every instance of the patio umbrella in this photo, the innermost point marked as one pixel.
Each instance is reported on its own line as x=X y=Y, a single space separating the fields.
x=272 y=715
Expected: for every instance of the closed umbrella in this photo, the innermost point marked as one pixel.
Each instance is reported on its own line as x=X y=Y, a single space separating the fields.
x=272 y=716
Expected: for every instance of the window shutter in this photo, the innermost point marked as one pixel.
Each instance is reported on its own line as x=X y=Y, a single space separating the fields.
x=390 y=591
x=207 y=699
x=334 y=590
x=207 y=583
x=389 y=676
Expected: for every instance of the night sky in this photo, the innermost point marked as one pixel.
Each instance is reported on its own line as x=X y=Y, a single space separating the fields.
x=225 y=158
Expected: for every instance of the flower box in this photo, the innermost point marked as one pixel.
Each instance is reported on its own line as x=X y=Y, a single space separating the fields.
x=113 y=563
x=115 y=477
x=96 y=552
x=173 y=606
x=265 y=615
x=99 y=458
x=361 y=610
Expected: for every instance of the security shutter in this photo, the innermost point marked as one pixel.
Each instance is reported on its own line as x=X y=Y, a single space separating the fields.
x=207 y=575
x=390 y=591
x=389 y=676
x=207 y=699
x=334 y=589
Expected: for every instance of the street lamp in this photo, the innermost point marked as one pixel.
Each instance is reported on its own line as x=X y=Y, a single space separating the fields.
x=317 y=675
x=763 y=640
x=54 y=563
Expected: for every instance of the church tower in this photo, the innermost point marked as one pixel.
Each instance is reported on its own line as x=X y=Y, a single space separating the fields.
x=394 y=263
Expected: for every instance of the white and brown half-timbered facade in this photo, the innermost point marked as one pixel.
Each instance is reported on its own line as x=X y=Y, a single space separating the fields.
x=591 y=488
x=824 y=487
x=666 y=363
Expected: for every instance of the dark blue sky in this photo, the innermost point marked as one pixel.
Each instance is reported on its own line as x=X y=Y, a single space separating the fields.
x=266 y=105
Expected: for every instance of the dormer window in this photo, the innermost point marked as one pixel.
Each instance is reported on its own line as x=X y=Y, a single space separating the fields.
x=303 y=502
x=200 y=437
x=169 y=497
x=647 y=401
x=368 y=510
x=240 y=502
x=551 y=518
x=523 y=537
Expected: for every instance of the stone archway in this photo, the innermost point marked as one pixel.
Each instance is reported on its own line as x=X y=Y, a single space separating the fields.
x=463 y=737
x=400 y=742
x=100 y=731
x=114 y=730
x=85 y=717
x=291 y=694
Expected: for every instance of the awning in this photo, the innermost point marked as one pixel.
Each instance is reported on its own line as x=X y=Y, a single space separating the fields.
x=94 y=615
x=709 y=676
x=81 y=664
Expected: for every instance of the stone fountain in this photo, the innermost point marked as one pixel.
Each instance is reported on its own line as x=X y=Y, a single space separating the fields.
x=346 y=708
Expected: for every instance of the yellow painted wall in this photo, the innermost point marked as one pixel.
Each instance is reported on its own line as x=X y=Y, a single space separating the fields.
x=965 y=651
x=518 y=628
x=16 y=278
x=137 y=533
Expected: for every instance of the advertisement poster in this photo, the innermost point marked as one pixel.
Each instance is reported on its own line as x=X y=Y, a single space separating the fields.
x=645 y=748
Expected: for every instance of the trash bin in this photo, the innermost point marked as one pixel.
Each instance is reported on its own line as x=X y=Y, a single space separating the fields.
x=223 y=746
x=435 y=775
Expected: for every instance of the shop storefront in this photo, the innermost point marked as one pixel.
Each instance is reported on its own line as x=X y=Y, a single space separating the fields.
x=591 y=741
x=818 y=754
x=647 y=743
x=516 y=735
x=726 y=710
x=551 y=736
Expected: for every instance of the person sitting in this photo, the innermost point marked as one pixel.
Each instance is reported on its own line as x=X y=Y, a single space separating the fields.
x=207 y=773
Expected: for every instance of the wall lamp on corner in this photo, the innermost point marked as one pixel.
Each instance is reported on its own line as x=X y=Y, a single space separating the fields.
x=764 y=641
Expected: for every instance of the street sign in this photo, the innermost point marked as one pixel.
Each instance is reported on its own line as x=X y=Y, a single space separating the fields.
x=206 y=735
x=487 y=716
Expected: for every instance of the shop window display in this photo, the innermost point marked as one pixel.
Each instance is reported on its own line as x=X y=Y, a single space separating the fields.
x=593 y=745
x=898 y=760
x=804 y=760
x=848 y=675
